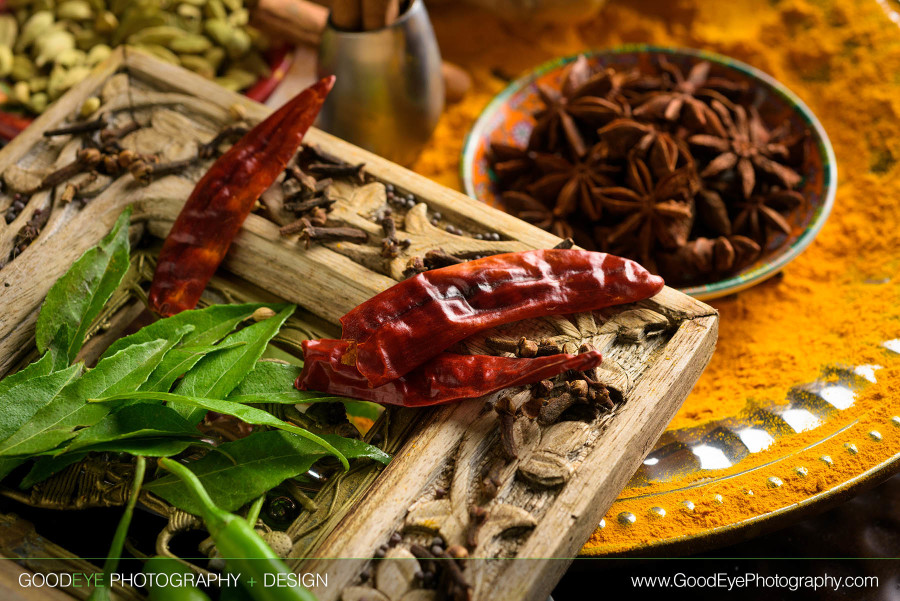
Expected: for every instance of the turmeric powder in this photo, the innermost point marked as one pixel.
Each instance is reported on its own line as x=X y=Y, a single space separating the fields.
x=835 y=304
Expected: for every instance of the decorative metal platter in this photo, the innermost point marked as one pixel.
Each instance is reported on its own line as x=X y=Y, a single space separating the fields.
x=729 y=479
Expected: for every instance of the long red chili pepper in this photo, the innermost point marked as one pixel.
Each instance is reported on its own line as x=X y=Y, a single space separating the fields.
x=411 y=322
x=328 y=367
x=223 y=198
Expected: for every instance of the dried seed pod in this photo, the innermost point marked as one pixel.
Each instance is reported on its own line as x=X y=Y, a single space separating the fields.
x=37 y=25
x=9 y=29
x=262 y=314
x=6 y=61
x=74 y=10
x=190 y=43
x=89 y=106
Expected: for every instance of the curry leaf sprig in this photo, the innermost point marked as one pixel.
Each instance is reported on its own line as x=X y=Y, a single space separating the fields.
x=149 y=390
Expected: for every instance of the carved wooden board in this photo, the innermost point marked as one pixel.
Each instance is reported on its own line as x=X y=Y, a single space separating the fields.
x=544 y=504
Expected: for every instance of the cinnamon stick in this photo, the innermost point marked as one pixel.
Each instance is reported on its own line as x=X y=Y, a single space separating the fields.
x=379 y=13
x=347 y=14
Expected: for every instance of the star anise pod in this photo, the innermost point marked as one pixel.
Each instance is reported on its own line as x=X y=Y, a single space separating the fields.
x=557 y=126
x=712 y=212
x=530 y=210
x=570 y=185
x=663 y=152
x=761 y=214
x=513 y=166
x=656 y=213
x=747 y=147
x=704 y=256
x=683 y=99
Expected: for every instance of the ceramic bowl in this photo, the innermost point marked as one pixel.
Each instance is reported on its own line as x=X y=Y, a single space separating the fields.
x=508 y=119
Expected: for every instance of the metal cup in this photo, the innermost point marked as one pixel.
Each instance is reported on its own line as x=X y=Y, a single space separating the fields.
x=389 y=92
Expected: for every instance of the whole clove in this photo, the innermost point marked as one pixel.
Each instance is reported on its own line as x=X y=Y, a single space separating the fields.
x=554 y=407
x=308 y=205
x=111 y=136
x=85 y=159
x=506 y=413
x=414 y=266
x=314 y=233
x=437 y=258
x=144 y=170
x=565 y=244
x=339 y=170
x=524 y=347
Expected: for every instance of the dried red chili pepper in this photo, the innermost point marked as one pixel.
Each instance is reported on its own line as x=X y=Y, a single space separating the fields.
x=329 y=367
x=223 y=198
x=411 y=322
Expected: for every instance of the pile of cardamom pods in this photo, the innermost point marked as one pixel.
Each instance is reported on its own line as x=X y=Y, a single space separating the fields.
x=47 y=46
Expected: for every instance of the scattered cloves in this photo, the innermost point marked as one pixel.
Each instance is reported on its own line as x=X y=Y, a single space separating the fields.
x=303 y=206
x=506 y=413
x=414 y=266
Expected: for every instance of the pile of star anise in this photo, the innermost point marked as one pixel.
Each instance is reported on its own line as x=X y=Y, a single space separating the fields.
x=675 y=170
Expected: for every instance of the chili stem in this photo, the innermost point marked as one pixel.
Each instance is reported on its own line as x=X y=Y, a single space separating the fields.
x=118 y=542
x=253 y=513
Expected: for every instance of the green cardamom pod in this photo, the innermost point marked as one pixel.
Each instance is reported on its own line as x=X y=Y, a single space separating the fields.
x=161 y=34
x=106 y=22
x=159 y=52
x=76 y=10
x=37 y=25
x=6 y=61
x=238 y=44
x=233 y=5
x=215 y=56
x=219 y=30
x=215 y=9
x=244 y=79
x=255 y=63
x=9 y=28
x=190 y=44
x=49 y=46
x=87 y=39
x=38 y=84
x=198 y=65
x=38 y=102
x=97 y=55
x=23 y=68
x=21 y=92
x=239 y=18
x=71 y=57
x=89 y=107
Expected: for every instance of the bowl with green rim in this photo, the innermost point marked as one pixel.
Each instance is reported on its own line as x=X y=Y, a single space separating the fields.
x=508 y=119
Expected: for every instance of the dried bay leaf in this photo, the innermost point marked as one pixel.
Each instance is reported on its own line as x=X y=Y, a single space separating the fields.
x=249 y=467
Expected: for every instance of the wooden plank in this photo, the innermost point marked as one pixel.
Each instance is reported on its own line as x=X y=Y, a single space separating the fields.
x=548 y=499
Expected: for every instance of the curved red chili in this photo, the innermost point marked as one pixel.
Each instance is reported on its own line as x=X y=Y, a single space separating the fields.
x=413 y=321
x=328 y=367
x=223 y=198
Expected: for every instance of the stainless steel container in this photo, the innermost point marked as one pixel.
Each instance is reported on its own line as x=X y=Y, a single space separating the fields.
x=389 y=92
